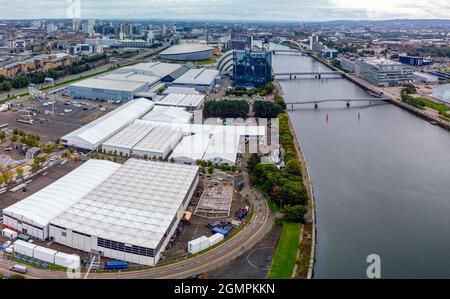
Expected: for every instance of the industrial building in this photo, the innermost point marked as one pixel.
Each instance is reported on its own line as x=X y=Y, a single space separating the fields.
x=203 y=80
x=144 y=140
x=132 y=214
x=254 y=68
x=187 y=52
x=188 y=102
x=99 y=89
x=383 y=72
x=33 y=214
x=92 y=135
x=168 y=72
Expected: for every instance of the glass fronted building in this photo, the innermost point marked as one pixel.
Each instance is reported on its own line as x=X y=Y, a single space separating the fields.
x=254 y=68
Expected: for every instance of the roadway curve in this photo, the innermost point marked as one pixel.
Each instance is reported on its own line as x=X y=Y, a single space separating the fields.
x=251 y=234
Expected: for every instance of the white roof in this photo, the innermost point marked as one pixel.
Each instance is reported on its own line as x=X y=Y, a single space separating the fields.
x=132 y=77
x=180 y=90
x=44 y=205
x=45 y=250
x=130 y=135
x=118 y=85
x=223 y=148
x=158 y=69
x=136 y=205
x=186 y=49
x=181 y=100
x=96 y=132
x=197 y=77
x=168 y=114
x=191 y=148
x=159 y=140
x=25 y=244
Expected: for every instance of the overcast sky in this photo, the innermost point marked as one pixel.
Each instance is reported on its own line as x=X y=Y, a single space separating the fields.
x=289 y=10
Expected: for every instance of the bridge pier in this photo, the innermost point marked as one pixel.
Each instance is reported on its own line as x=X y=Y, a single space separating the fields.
x=348 y=104
x=316 y=106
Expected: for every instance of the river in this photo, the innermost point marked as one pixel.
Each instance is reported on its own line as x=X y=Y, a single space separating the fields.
x=381 y=180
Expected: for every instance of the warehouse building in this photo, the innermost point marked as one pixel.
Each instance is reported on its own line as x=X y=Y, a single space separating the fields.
x=33 y=214
x=132 y=214
x=144 y=140
x=100 y=89
x=180 y=90
x=203 y=80
x=186 y=101
x=187 y=52
x=92 y=135
x=168 y=72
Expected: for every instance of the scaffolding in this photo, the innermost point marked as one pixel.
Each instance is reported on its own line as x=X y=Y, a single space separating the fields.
x=215 y=201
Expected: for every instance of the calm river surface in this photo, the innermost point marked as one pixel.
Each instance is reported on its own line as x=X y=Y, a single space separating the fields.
x=381 y=182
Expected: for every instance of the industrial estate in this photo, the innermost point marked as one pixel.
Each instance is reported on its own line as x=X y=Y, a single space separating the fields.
x=155 y=150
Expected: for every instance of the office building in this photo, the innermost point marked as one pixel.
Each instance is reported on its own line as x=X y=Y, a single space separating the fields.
x=384 y=72
x=254 y=68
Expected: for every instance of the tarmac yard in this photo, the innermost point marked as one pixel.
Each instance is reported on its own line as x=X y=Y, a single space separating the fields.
x=53 y=126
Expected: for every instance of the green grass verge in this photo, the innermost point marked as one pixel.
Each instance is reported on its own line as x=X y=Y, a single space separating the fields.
x=283 y=262
x=435 y=106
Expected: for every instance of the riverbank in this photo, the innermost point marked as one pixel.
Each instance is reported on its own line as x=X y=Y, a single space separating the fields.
x=309 y=231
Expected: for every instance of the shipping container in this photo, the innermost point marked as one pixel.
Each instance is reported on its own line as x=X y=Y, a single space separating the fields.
x=45 y=254
x=24 y=248
x=198 y=244
x=8 y=233
x=214 y=239
x=67 y=260
x=116 y=265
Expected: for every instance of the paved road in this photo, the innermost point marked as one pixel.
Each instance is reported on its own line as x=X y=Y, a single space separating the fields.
x=251 y=234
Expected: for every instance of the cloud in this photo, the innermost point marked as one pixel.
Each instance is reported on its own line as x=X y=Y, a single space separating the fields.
x=292 y=10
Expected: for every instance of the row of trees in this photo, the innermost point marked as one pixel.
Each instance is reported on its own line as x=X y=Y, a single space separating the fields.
x=226 y=108
x=284 y=186
x=240 y=108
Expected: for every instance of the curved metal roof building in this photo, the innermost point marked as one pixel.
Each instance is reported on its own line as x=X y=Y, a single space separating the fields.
x=188 y=52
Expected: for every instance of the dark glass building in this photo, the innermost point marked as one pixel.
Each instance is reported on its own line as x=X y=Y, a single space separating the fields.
x=252 y=68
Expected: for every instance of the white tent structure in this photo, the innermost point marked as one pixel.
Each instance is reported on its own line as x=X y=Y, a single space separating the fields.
x=95 y=133
x=33 y=214
x=186 y=101
x=168 y=114
x=132 y=214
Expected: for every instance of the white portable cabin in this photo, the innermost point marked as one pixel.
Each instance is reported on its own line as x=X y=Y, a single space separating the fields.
x=24 y=248
x=9 y=233
x=67 y=260
x=198 y=244
x=45 y=254
x=214 y=239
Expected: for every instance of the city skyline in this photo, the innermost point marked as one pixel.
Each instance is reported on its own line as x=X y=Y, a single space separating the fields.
x=252 y=10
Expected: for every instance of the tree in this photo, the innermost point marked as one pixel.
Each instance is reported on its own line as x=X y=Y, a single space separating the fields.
x=5 y=86
x=294 y=192
x=211 y=169
x=14 y=138
x=2 y=135
x=294 y=213
x=266 y=109
x=293 y=167
x=19 y=172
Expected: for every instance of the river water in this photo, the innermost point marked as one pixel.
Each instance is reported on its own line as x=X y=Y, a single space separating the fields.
x=381 y=180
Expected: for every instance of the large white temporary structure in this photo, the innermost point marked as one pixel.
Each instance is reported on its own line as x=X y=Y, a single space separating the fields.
x=132 y=214
x=95 y=133
x=33 y=214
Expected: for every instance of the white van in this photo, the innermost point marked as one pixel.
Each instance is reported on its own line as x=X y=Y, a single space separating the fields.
x=19 y=268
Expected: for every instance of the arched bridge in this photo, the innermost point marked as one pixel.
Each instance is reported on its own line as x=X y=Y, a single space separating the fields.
x=316 y=102
x=292 y=43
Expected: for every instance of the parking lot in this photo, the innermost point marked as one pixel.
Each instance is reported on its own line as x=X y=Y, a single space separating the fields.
x=52 y=121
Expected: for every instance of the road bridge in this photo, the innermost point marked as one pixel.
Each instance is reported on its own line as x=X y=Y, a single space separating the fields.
x=348 y=101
